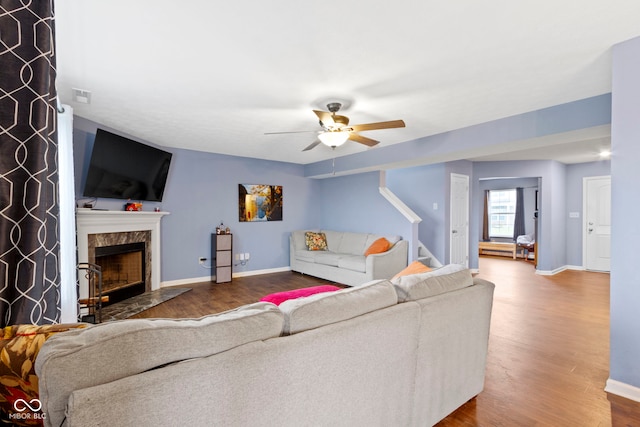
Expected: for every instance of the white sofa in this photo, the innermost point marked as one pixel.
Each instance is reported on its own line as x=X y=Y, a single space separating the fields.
x=344 y=260
x=380 y=354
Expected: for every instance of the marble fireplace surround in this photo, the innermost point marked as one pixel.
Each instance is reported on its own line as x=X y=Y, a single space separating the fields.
x=103 y=240
x=137 y=226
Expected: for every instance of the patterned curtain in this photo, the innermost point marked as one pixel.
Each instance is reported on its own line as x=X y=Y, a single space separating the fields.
x=29 y=266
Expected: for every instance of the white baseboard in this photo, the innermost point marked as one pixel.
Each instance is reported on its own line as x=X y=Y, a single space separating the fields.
x=563 y=268
x=257 y=272
x=551 y=272
x=179 y=282
x=623 y=390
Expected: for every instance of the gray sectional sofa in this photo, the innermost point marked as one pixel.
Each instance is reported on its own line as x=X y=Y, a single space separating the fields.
x=344 y=260
x=405 y=353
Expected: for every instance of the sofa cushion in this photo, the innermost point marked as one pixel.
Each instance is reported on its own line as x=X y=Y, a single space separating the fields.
x=353 y=263
x=280 y=297
x=378 y=246
x=306 y=255
x=327 y=308
x=423 y=285
x=327 y=258
x=73 y=360
x=298 y=239
x=352 y=243
x=414 y=268
x=334 y=238
x=315 y=241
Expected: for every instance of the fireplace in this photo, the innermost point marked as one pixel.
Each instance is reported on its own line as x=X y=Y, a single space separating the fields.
x=101 y=229
x=123 y=270
x=125 y=259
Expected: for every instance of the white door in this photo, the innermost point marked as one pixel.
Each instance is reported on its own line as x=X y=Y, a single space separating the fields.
x=597 y=223
x=459 y=220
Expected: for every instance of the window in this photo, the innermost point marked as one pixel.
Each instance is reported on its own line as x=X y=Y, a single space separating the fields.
x=502 y=213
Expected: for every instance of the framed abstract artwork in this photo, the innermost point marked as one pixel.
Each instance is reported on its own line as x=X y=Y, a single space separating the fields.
x=259 y=202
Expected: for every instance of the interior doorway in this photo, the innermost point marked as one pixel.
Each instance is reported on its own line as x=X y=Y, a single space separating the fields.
x=459 y=220
x=596 y=228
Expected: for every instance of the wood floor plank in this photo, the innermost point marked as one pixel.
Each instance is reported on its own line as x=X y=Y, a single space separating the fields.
x=548 y=355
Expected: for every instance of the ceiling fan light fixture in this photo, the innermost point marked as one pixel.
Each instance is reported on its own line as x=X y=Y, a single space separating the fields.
x=333 y=139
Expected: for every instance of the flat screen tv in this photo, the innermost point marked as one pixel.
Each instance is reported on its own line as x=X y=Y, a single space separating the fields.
x=121 y=168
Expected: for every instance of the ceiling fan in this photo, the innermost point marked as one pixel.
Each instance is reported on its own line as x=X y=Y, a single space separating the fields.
x=336 y=130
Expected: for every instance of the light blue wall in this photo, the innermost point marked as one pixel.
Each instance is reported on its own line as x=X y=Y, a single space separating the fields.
x=354 y=203
x=420 y=187
x=625 y=231
x=575 y=175
x=202 y=190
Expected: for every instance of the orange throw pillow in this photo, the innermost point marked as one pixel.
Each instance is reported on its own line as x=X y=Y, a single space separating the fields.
x=377 y=247
x=414 y=268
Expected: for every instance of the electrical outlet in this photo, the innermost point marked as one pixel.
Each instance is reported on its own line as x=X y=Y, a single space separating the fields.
x=241 y=257
x=237 y=257
x=246 y=256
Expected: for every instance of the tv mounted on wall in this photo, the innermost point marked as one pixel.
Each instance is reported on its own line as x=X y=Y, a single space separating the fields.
x=121 y=168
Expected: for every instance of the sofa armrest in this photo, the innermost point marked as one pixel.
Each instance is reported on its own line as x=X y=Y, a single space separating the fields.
x=386 y=264
x=292 y=252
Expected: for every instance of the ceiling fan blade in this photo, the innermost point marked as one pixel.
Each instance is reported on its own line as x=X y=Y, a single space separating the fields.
x=379 y=125
x=295 y=131
x=312 y=145
x=325 y=117
x=363 y=139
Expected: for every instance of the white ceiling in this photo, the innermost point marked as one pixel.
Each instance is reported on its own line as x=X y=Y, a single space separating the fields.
x=215 y=76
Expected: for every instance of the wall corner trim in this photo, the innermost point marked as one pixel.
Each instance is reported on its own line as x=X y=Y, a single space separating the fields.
x=623 y=390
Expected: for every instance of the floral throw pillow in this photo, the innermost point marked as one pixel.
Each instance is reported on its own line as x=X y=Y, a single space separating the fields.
x=315 y=241
x=19 y=347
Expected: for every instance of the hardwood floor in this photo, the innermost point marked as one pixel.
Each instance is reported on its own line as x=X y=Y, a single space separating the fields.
x=548 y=350
x=207 y=297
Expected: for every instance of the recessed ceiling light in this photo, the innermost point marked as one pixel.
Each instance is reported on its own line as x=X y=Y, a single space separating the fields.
x=605 y=154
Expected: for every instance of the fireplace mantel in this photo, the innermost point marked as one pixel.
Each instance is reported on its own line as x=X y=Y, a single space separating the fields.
x=97 y=222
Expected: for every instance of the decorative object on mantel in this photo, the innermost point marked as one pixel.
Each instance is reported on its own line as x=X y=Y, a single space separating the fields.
x=133 y=207
x=259 y=202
